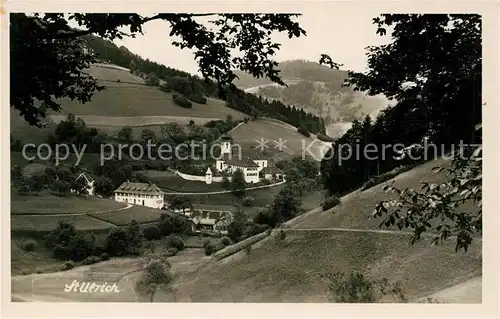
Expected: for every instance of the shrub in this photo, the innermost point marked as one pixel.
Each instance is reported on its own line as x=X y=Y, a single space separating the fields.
x=175 y=242
x=117 y=242
x=172 y=251
x=182 y=101
x=356 y=288
x=247 y=201
x=152 y=232
x=225 y=241
x=81 y=246
x=330 y=202
x=91 y=260
x=302 y=130
x=198 y=98
x=324 y=138
x=254 y=229
x=165 y=88
x=282 y=235
x=375 y=180
x=29 y=245
x=68 y=265
x=206 y=242
x=60 y=252
x=104 y=256
x=210 y=249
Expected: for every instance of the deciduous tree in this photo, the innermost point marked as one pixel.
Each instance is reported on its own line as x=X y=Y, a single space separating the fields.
x=62 y=52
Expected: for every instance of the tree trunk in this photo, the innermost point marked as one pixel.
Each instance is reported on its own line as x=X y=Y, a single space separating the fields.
x=151 y=298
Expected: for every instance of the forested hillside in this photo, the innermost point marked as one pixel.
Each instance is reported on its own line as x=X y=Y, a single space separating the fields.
x=196 y=89
x=317 y=89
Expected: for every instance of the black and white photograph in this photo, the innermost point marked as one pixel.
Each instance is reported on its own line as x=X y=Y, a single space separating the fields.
x=326 y=156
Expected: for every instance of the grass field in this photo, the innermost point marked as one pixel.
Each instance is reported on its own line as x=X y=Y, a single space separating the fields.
x=295 y=143
x=171 y=182
x=47 y=223
x=88 y=160
x=355 y=209
x=23 y=262
x=262 y=197
x=130 y=97
x=310 y=252
x=44 y=204
x=128 y=102
x=261 y=276
x=122 y=218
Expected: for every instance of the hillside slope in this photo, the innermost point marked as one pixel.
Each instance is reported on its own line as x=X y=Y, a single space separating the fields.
x=317 y=89
x=131 y=97
x=248 y=135
x=126 y=100
x=312 y=248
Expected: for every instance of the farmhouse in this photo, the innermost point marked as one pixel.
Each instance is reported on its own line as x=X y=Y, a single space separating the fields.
x=145 y=194
x=212 y=218
x=249 y=164
x=270 y=173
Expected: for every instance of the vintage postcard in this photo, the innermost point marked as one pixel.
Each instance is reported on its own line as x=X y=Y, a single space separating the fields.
x=250 y=155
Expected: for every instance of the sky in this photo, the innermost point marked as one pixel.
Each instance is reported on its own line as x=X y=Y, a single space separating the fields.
x=343 y=34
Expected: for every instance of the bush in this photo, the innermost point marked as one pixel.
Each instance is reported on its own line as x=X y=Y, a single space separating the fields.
x=247 y=201
x=225 y=241
x=198 y=98
x=356 y=288
x=152 y=232
x=210 y=249
x=282 y=235
x=117 y=243
x=175 y=242
x=81 y=246
x=324 y=138
x=304 y=131
x=206 y=242
x=165 y=88
x=182 y=101
x=375 y=180
x=171 y=252
x=104 y=256
x=60 y=252
x=68 y=265
x=29 y=245
x=91 y=260
x=330 y=202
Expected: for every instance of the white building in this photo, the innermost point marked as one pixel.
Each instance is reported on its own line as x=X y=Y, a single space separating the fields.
x=272 y=173
x=208 y=176
x=231 y=161
x=145 y=194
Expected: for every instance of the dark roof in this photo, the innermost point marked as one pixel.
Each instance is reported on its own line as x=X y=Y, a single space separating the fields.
x=235 y=160
x=139 y=188
x=271 y=170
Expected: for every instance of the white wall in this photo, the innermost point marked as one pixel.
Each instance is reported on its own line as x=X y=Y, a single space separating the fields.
x=225 y=147
x=153 y=201
x=251 y=174
x=189 y=177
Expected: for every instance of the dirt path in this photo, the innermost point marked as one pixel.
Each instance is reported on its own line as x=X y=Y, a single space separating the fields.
x=469 y=291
